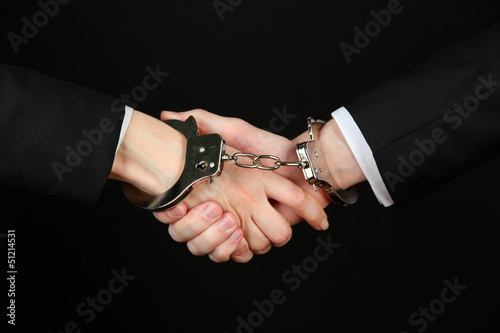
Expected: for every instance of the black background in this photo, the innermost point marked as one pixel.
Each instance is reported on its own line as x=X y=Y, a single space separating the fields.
x=263 y=55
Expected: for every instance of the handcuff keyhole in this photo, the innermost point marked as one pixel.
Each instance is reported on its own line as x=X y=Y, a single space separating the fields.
x=202 y=165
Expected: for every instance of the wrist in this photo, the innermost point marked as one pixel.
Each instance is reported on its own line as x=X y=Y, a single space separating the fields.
x=340 y=160
x=151 y=155
x=319 y=160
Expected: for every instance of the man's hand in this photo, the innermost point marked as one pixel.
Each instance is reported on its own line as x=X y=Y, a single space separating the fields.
x=247 y=138
x=205 y=236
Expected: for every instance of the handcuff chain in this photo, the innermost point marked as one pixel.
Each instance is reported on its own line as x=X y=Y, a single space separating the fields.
x=256 y=159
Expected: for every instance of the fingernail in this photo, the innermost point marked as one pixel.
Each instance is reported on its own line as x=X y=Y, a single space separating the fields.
x=211 y=212
x=324 y=225
x=176 y=212
x=235 y=236
x=226 y=222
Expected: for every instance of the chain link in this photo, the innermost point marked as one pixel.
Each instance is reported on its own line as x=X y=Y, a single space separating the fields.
x=256 y=161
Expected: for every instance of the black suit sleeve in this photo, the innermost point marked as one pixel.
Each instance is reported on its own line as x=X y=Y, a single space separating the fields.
x=57 y=139
x=438 y=121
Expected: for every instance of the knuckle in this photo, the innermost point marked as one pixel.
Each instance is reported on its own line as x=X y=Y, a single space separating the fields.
x=261 y=246
x=200 y=111
x=173 y=233
x=216 y=259
x=243 y=258
x=161 y=216
x=282 y=237
x=192 y=225
x=241 y=250
x=194 y=249
x=237 y=121
x=219 y=256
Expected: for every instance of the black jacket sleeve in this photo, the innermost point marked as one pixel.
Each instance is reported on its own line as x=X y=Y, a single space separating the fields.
x=56 y=138
x=438 y=121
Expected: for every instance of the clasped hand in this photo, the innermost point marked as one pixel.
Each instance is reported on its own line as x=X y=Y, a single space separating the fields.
x=245 y=211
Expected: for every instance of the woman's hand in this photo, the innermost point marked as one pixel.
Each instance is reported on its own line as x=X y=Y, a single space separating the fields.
x=261 y=205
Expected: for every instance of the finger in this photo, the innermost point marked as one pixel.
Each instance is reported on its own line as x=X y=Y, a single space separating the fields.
x=207 y=121
x=301 y=202
x=172 y=215
x=258 y=242
x=242 y=253
x=274 y=226
x=223 y=252
x=286 y=212
x=197 y=220
x=214 y=235
x=235 y=131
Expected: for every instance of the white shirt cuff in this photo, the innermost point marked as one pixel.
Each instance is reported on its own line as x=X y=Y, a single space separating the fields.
x=363 y=154
x=126 y=120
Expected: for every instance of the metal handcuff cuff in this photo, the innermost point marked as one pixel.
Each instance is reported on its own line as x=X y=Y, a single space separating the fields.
x=205 y=155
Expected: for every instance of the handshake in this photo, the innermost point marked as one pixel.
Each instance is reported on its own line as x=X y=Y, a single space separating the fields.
x=245 y=211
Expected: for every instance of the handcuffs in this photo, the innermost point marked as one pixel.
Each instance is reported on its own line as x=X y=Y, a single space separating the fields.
x=205 y=156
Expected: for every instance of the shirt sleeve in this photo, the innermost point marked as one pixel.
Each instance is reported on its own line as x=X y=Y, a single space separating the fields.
x=437 y=121
x=363 y=154
x=125 y=123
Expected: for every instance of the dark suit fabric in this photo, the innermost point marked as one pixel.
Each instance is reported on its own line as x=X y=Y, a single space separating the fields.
x=444 y=101
x=44 y=124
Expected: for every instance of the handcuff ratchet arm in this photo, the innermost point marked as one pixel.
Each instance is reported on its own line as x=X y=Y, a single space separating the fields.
x=203 y=160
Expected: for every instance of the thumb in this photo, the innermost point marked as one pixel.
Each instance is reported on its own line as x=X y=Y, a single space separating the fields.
x=172 y=215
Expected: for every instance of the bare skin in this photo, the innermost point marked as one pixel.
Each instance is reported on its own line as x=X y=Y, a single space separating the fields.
x=253 y=202
x=205 y=236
